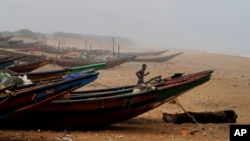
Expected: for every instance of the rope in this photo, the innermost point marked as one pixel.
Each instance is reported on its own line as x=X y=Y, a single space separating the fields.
x=179 y=104
x=101 y=84
x=9 y=94
x=5 y=99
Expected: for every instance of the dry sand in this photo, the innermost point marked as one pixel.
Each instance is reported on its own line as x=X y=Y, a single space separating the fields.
x=229 y=88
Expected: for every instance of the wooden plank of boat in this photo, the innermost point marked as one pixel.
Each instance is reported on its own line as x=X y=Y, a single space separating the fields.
x=225 y=116
x=28 y=98
x=55 y=74
x=100 y=111
x=28 y=67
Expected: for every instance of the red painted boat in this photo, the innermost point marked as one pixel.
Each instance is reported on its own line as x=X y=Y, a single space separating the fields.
x=12 y=102
x=28 y=67
x=88 y=112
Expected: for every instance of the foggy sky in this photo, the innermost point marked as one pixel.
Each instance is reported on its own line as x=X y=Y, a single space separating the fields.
x=212 y=25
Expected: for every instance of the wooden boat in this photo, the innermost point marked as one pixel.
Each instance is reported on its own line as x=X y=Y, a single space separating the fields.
x=73 y=63
x=13 y=42
x=33 y=46
x=155 y=81
x=143 y=53
x=28 y=67
x=155 y=59
x=22 y=99
x=29 y=57
x=6 y=38
x=4 y=57
x=41 y=76
x=90 y=112
x=26 y=44
x=9 y=61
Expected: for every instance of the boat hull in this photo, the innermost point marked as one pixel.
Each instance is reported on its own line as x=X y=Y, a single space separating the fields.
x=74 y=63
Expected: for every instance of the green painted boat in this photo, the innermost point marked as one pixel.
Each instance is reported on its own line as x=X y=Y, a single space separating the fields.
x=50 y=75
x=86 y=67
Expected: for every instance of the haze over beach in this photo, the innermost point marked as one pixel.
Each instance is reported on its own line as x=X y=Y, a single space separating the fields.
x=211 y=26
x=210 y=34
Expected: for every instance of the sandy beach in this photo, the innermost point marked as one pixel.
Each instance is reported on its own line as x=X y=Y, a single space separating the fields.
x=228 y=89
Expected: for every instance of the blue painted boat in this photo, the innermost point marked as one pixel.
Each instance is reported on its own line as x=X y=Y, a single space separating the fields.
x=18 y=100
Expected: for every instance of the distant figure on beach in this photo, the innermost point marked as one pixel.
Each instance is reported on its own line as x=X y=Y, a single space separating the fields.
x=141 y=73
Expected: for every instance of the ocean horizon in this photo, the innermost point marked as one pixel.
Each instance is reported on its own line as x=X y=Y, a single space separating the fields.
x=232 y=52
x=242 y=52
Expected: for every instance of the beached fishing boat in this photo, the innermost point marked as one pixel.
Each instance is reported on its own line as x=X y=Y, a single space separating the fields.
x=26 y=98
x=41 y=76
x=30 y=57
x=73 y=63
x=155 y=59
x=88 y=112
x=5 y=38
x=28 y=67
x=33 y=46
x=13 y=42
x=8 y=61
x=4 y=57
x=143 y=53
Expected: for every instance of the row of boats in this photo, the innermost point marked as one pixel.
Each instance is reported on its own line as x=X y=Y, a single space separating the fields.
x=49 y=101
x=52 y=102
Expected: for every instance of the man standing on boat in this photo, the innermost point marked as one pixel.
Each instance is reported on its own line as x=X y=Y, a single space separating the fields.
x=141 y=73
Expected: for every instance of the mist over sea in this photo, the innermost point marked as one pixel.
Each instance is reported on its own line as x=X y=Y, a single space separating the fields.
x=235 y=51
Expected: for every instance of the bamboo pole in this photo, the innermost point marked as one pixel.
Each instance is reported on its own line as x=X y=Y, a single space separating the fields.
x=118 y=51
x=113 y=47
x=57 y=53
